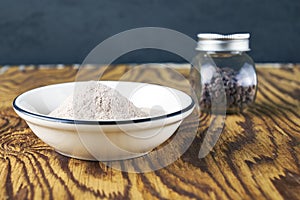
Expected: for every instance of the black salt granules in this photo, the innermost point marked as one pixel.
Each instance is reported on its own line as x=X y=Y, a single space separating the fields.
x=224 y=80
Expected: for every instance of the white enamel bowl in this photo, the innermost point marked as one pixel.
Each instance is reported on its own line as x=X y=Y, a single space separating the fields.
x=105 y=140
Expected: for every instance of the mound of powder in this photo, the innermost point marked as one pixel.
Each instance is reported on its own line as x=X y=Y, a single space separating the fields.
x=95 y=101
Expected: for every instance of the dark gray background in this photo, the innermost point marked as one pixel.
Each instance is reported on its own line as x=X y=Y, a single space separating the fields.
x=64 y=31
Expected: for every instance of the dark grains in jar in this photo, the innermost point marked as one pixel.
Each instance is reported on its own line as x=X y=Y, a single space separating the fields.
x=237 y=96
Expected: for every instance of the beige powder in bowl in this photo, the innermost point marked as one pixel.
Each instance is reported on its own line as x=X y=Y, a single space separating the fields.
x=96 y=101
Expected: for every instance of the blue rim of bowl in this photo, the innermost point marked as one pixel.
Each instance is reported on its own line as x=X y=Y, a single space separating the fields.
x=90 y=122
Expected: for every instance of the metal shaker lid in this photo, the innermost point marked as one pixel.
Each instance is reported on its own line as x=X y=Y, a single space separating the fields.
x=218 y=42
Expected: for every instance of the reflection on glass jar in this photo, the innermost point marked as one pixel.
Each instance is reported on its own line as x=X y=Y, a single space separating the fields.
x=227 y=73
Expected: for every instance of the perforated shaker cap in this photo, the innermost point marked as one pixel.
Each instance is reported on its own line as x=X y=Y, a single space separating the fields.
x=218 y=42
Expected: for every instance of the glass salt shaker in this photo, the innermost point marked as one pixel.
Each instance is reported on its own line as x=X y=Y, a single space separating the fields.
x=224 y=66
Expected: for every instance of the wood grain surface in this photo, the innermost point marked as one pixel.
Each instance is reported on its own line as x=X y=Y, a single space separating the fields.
x=256 y=157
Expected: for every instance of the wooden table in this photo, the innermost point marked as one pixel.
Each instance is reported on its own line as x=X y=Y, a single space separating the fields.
x=256 y=157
